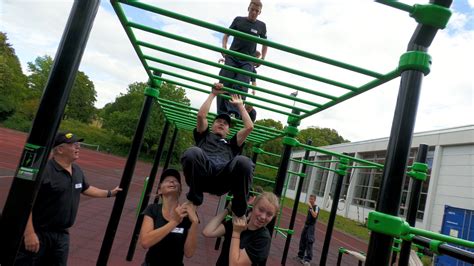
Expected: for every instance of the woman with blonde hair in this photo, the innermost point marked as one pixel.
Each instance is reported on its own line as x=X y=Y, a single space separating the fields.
x=247 y=241
x=169 y=229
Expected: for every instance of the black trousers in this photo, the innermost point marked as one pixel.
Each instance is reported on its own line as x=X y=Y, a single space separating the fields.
x=306 y=243
x=203 y=176
x=223 y=105
x=54 y=249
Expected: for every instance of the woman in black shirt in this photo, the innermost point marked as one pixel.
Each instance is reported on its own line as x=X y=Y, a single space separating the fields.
x=247 y=241
x=169 y=230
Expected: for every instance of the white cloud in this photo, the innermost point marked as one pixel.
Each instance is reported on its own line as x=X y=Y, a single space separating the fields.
x=360 y=33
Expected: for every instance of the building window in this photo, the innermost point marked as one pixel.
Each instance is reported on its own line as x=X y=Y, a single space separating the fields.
x=321 y=175
x=345 y=182
x=366 y=190
x=294 y=166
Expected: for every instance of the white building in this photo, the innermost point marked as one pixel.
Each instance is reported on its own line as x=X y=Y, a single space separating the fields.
x=450 y=181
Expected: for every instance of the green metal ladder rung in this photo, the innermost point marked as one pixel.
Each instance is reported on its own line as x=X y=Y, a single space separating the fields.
x=238 y=70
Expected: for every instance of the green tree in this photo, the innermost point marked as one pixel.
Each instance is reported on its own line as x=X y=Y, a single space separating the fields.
x=320 y=136
x=13 y=83
x=80 y=105
x=122 y=115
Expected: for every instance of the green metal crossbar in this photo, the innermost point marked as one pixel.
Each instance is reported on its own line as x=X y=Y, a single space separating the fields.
x=281 y=104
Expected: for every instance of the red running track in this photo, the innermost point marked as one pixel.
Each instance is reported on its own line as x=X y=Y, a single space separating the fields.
x=105 y=171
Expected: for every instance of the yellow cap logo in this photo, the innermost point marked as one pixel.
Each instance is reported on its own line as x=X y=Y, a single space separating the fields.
x=68 y=135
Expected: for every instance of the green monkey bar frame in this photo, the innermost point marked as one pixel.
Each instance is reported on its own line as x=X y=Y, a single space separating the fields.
x=415 y=60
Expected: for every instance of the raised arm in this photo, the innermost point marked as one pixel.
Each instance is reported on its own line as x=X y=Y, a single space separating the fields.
x=215 y=228
x=201 y=123
x=248 y=124
x=191 y=240
x=150 y=236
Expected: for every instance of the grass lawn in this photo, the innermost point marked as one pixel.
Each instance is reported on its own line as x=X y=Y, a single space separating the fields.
x=345 y=225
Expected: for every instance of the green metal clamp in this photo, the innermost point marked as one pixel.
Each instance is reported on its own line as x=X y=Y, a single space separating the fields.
x=257 y=150
x=291 y=131
x=342 y=250
x=431 y=14
x=434 y=245
x=152 y=92
x=415 y=60
x=396 y=227
x=342 y=167
x=418 y=171
x=290 y=141
x=294 y=121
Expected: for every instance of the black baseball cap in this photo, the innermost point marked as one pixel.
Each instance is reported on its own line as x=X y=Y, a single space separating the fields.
x=66 y=137
x=170 y=172
x=224 y=116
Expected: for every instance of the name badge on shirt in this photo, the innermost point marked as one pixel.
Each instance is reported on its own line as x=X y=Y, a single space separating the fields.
x=78 y=185
x=254 y=31
x=178 y=230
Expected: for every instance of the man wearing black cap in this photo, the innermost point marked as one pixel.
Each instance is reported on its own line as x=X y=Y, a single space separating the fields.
x=215 y=165
x=46 y=237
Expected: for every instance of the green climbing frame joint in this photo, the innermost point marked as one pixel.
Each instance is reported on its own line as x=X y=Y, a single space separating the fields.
x=431 y=14
x=418 y=171
x=152 y=92
x=291 y=131
x=342 y=250
x=415 y=60
x=290 y=141
x=434 y=245
x=293 y=121
x=387 y=224
x=257 y=150
x=342 y=167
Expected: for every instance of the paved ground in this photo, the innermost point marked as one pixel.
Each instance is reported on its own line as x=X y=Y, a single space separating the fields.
x=105 y=171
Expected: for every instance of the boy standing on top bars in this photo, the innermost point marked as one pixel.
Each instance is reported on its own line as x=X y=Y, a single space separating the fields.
x=249 y=25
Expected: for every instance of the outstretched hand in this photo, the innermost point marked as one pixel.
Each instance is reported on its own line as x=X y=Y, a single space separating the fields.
x=115 y=191
x=236 y=100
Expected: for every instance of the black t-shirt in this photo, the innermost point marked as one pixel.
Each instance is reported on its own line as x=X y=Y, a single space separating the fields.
x=257 y=28
x=58 y=199
x=310 y=220
x=170 y=250
x=256 y=243
x=219 y=151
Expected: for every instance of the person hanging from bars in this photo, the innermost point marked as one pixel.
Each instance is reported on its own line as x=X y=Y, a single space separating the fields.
x=246 y=242
x=46 y=236
x=169 y=229
x=250 y=25
x=215 y=165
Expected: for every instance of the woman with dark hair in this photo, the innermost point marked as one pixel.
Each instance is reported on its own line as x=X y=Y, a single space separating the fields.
x=169 y=229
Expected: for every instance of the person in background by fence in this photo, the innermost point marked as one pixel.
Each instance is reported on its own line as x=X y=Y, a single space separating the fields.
x=305 y=253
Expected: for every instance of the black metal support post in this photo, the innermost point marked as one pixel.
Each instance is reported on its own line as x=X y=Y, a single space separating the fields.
x=332 y=219
x=413 y=204
x=169 y=155
x=399 y=144
x=446 y=249
x=28 y=175
x=125 y=183
x=146 y=197
x=295 y=205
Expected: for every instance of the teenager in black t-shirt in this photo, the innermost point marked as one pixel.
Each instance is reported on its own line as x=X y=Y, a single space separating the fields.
x=246 y=242
x=250 y=25
x=215 y=165
x=169 y=230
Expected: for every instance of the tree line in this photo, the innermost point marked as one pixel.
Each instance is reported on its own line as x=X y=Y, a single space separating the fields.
x=113 y=126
